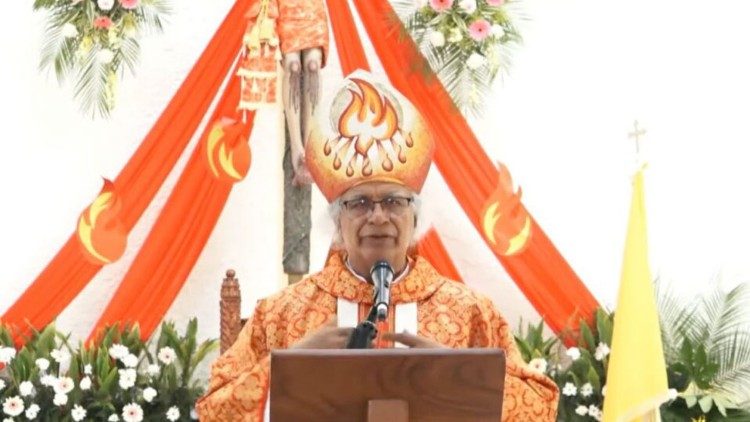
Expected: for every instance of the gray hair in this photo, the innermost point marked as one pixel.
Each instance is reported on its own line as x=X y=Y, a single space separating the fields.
x=335 y=208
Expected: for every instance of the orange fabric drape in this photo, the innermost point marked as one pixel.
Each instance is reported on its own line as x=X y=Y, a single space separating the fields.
x=431 y=247
x=169 y=253
x=540 y=271
x=69 y=272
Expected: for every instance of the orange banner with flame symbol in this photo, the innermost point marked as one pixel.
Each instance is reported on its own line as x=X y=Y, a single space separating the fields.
x=539 y=270
x=506 y=224
x=227 y=153
x=140 y=179
x=101 y=232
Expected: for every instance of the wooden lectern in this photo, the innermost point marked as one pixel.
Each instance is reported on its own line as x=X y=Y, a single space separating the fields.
x=387 y=385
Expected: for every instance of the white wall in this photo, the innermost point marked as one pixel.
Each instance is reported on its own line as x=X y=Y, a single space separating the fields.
x=559 y=121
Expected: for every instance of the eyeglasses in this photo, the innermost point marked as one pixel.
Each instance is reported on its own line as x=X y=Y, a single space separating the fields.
x=394 y=205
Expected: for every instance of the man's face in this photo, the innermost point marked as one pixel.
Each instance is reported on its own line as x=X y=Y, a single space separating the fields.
x=384 y=232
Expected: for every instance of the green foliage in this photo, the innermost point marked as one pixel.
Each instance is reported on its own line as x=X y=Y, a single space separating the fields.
x=93 y=46
x=706 y=347
x=466 y=67
x=99 y=373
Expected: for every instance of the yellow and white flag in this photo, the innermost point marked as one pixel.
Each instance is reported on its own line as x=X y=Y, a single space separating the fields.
x=637 y=376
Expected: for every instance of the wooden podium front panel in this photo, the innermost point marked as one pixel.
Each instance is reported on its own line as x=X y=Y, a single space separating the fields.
x=439 y=385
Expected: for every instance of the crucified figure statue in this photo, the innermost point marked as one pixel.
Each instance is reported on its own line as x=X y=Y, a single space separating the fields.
x=300 y=93
x=295 y=32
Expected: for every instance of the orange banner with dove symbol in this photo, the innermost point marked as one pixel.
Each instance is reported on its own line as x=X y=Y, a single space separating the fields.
x=505 y=222
x=101 y=233
x=227 y=152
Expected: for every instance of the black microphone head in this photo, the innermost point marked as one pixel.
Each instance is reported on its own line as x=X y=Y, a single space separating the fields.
x=381 y=265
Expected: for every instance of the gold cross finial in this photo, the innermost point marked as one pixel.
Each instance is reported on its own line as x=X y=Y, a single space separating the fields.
x=636 y=134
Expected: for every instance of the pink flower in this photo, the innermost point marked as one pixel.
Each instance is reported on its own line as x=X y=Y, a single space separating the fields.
x=441 y=5
x=130 y=4
x=102 y=22
x=495 y=3
x=479 y=29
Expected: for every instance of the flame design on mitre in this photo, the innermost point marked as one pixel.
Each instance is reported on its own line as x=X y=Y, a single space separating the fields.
x=367 y=132
x=505 y=222
x=101 y=233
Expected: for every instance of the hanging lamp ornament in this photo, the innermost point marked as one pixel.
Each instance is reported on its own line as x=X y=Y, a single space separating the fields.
x=93 y=41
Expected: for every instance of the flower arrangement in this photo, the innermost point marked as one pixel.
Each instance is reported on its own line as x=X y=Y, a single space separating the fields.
x=119 y=379
x=93 y=41
x=467 y=43
x=706 y=347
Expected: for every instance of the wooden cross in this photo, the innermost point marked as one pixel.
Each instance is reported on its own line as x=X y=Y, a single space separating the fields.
x=636 y=134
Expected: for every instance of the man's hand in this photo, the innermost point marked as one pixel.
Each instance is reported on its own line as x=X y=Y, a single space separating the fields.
x=328 y=336
x=412 y=340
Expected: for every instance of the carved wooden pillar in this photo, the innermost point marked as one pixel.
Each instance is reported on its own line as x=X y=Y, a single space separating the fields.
x=230 y=310
x=297 y=223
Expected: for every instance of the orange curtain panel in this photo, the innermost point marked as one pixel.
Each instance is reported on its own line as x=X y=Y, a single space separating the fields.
x=69 y=271
x=538 y=269
x=170 y=251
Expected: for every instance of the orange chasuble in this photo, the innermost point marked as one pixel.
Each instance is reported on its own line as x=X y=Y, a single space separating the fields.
x=447 y=312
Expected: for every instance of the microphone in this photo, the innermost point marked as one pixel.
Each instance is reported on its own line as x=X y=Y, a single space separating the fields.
x=382 y=276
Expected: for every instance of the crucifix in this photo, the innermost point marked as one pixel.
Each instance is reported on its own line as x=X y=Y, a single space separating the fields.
x=636 y=134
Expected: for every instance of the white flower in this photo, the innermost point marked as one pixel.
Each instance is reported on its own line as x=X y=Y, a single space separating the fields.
x=85 y=383
x=569 y=389
x=132 y=413
x=2 y=384
x=13 y=406
x=60 y=355
x=118 y=351
x=64 y=385
x=582 y=410
x=131 y=360
x=26 y=388
x=60 y=399
x=587 y=390
x=78 y=413
x=672 y=393
x=127 y=378
x=497 y=31
x=421 y=3
x=167 y=355
x=475 y=61
x=538 y=365
x=7 y=354
x=42 y=363
x=149 y=394
x=574 y=353
x=193 y=414
x=455 y=35
x=48 y=380
x=69 y=30
x=437 y=39
x=153 y=370
x=595 y=413
x=105 y=4
x=113 y=418
x=87 y=369
x=32 y=411
x=602 y=350
x=105 y=56
x=604 y=390
x=173 y=413
x=469 y=6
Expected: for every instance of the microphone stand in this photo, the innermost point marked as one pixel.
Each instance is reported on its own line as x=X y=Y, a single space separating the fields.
x=365 y=332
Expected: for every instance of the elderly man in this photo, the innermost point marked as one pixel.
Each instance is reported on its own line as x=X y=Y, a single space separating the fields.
x=369 y=155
